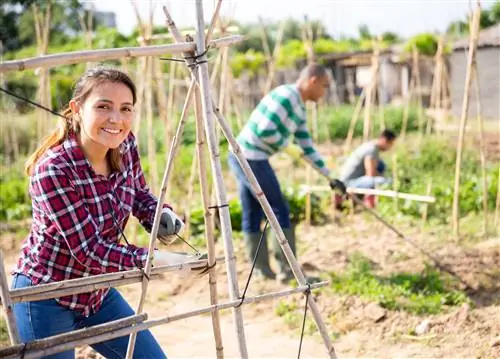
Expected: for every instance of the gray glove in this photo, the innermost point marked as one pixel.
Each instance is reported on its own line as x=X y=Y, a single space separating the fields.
x=170 y=223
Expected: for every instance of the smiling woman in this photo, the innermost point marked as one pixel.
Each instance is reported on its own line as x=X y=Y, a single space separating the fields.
x=85 y=181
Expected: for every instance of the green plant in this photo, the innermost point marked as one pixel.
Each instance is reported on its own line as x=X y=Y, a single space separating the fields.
x=423 y=293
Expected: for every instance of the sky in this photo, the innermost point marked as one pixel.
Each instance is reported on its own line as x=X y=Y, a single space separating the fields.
x=405 y=17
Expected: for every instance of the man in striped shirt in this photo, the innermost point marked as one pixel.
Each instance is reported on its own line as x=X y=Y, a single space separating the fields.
x=278 y=116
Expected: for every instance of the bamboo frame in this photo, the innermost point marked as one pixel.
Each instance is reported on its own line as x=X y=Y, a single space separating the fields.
x=101 y=281
x=463 y=118
x=60 y=347
x=75 y=57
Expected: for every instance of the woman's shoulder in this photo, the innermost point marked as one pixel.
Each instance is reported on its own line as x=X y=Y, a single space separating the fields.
x=55 y=159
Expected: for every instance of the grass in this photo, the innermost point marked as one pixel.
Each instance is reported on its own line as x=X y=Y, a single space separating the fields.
x=293 y=316
x=4 y=335
x=418 y=293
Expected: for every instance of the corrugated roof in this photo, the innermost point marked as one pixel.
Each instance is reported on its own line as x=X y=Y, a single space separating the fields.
x=489 y=37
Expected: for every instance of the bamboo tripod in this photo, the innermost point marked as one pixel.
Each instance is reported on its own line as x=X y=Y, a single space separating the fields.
x=206 y=113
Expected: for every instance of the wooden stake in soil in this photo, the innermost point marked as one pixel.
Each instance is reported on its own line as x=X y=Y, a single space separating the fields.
x=213 y=147
x=497 y=202
x=426 y=206
x=463 y=118
x=482 y=150
x=7 y=304
x=207 y=214
x=395 y=181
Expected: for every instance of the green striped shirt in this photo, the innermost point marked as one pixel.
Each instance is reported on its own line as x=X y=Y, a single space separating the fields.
x=279 y=114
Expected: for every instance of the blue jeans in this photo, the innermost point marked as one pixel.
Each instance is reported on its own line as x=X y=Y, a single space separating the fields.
x=252 y=211
x=368 y=181
x=45 y=318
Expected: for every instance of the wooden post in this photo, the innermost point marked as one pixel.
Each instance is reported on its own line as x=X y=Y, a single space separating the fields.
x=497 y=203
x=354 y=120
x=463 y=118
x=213 y=147
x=42 y=30
x=395 y=181
x=7 y=304
x=482 y=149
x=153 y=167
x=162 y=102
x=207 y=214
x=370 y=92
x=272 y=61
x=406 y=108
x=426 y=205
x=418 y=86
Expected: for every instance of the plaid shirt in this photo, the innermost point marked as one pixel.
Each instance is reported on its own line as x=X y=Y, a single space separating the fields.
x=75 y=215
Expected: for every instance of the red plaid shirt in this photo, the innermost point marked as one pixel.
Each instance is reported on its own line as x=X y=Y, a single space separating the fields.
x=74 y=234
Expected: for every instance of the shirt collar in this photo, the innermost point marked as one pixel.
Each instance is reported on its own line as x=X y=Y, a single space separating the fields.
x=77 y=157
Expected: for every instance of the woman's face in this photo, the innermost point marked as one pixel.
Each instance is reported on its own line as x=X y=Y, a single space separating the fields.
x=105 y=116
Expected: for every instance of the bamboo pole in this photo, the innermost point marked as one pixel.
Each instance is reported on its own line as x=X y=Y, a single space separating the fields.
x=482 y=149
x=207 y=214
x=213 y=22
x=497 y=202
x=463 y=118
x=171 y=89
x=92 y=283
x=7 y=304
x=76 y=57
x=426 y=206
x=395 y=181
x=354 y=120
x=406 y=108
x=418 y=85
x=15 y=352
x=370 y=93
x=162 y=102
x=189 y=197
x=153 y=166
x=213 y=146
x=376 y=192
x=47 y=343
x=156 y=222
x=272 y=61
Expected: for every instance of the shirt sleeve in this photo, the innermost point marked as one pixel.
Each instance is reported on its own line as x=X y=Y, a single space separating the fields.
x=303 y=139
x=62 y=204
x=145 y=202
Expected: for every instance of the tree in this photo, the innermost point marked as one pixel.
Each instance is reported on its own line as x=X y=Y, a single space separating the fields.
x=390 y=37
x=364 y=32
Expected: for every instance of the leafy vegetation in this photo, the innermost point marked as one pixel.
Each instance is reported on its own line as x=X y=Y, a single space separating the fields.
x=4 y=334
x=423 y=293
x=436 y=159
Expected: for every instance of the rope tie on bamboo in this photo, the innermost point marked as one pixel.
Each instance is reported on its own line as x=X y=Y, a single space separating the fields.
x=192 y=65
x=218 y=207
x=307 y=293
x=242 y=298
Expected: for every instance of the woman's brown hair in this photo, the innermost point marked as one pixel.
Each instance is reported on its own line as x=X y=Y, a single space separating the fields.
x=68 y=122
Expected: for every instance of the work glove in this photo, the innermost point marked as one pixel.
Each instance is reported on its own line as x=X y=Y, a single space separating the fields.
x=170 y=225
x=173 y=258
x=338 y=185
